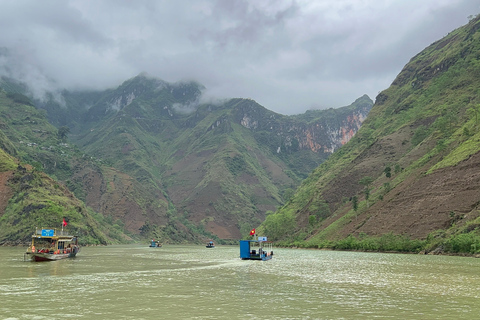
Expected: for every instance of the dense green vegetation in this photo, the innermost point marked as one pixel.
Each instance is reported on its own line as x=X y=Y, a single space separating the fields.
x=440 y=242
x=7 y=162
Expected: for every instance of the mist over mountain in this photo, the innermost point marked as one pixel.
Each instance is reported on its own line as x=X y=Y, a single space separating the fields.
x=163 y=162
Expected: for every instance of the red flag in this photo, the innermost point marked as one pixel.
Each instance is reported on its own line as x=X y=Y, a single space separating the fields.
x=252 y=232
x=64 y=223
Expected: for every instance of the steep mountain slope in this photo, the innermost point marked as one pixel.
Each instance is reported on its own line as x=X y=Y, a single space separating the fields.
x=127 y=204
x=218 y=168
x=184 y=169
x=413 y=166
x=167 y=166
x=29 y=198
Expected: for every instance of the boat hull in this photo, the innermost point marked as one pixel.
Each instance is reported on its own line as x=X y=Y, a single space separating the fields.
x=44 y=256
x=263 y=257
x=49 y=256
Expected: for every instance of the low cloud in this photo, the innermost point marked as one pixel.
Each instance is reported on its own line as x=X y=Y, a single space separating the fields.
x=287 y=55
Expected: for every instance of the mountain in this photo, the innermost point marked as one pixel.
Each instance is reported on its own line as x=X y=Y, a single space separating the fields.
x=217 y=168
x=409 y=179
x=169 y=166
x=30 y=198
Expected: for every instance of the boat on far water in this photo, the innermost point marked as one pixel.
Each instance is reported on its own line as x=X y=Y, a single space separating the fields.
x=210 y=244
x=50 y=245
x=155 y=244
x=259 y=249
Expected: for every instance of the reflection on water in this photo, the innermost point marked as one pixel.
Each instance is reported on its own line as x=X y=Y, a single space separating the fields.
x=193 y=282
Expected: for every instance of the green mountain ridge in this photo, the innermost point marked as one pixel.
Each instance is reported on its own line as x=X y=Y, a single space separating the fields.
x=167 y=166
x=408 y=180
x=217 y=165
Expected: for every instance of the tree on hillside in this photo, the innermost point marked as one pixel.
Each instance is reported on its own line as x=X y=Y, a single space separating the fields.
x=355 y=205
x=387 y=187
x=288 y=194
x=397 y=168
x=62 y=132
x=474 y=112
x=446 y=123
x=419 y=135
x=367 y=182
x=312 y=220
x=388 y=171
x=321 y=209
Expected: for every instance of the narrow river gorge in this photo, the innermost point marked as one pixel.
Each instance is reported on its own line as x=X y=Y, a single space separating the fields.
x=193 y=282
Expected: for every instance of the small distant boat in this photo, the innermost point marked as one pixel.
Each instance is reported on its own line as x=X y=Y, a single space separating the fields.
x=50 y=245
x=259 y=249
x=210 y=244
x=155 y=244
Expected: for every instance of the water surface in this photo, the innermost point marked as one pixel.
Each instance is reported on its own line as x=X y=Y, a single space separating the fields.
x=193 y=282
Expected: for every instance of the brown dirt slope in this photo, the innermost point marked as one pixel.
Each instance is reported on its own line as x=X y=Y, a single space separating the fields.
x=5 y=191
x=118 y=195
x=425 y=203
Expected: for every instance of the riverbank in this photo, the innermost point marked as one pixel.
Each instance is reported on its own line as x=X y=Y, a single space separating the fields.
x=466 y=244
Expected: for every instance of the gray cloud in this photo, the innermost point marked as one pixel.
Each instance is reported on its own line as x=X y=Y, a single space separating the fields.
x=287 y=55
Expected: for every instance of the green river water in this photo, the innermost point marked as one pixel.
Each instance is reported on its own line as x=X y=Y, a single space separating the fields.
x=193 y=282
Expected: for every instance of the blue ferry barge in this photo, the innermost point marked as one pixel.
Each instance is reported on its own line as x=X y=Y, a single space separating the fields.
x=259 y=249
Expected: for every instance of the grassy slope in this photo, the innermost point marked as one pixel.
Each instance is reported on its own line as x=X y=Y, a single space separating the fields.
x=427 y=120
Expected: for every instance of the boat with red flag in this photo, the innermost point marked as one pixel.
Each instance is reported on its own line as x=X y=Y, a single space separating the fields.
x=257 y=249
x=50 y=245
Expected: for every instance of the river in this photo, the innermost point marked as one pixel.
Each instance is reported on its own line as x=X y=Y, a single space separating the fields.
x=193 y=282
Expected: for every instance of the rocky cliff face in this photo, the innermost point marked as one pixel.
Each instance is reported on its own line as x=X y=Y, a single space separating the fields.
x=324 y=134
x=332 y=137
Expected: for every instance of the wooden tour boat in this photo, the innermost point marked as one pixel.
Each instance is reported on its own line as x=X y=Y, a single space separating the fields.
x=50 y=245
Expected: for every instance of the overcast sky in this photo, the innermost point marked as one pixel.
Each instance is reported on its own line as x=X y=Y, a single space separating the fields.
x=289 y=56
